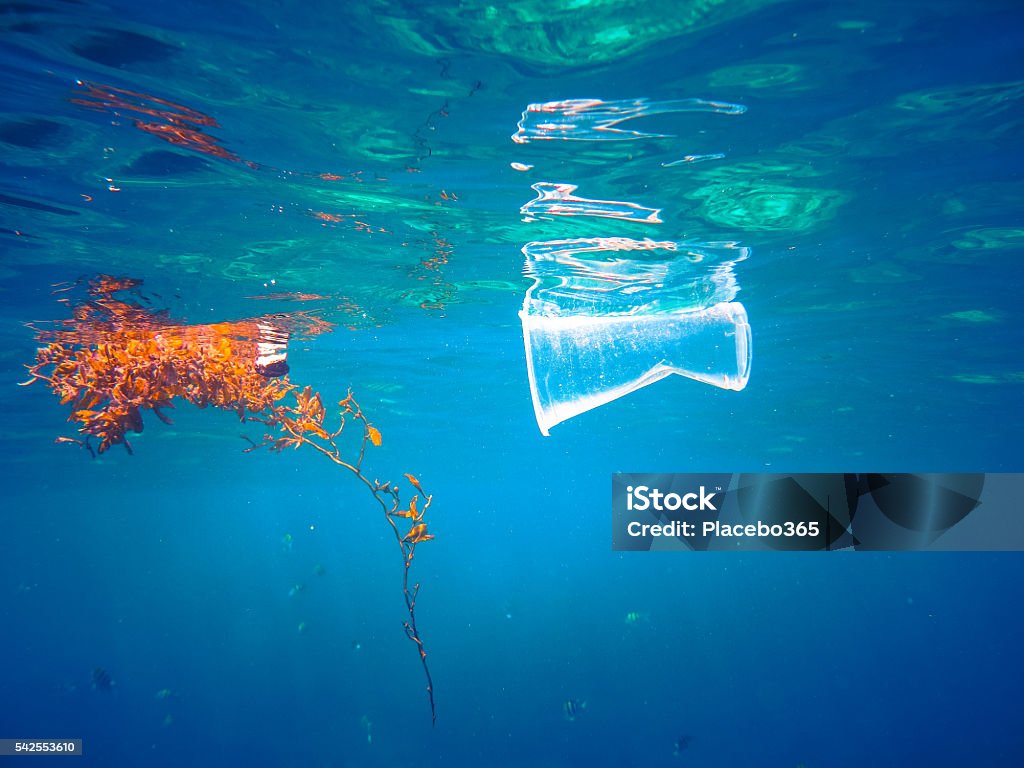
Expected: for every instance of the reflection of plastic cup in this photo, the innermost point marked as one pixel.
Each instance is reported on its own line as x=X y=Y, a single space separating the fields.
x=579 y=362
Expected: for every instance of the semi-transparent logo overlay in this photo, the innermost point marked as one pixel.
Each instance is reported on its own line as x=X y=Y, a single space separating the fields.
x=887 y=512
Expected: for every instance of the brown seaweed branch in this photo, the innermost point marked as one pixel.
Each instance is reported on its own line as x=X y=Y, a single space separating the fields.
x=302 y=424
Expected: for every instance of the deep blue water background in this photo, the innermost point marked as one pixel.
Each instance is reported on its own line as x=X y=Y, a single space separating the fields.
x=886 y=329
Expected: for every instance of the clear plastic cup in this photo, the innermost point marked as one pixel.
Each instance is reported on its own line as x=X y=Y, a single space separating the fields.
x=607 y=316
x=577 y=363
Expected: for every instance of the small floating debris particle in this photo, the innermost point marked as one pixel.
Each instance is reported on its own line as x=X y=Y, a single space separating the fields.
x=690 y=159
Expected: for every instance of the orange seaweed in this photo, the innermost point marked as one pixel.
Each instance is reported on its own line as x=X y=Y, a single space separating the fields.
x=114 y=360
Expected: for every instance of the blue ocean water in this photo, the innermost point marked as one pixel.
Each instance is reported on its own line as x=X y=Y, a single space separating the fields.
x=356 y=163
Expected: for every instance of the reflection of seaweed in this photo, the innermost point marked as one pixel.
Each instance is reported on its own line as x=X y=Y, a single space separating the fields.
x=421 y=135
x=423 y=148
x=441 y=292
x=116 y=359
x=356 y=218
x=174 y=123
